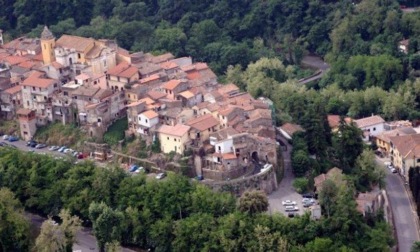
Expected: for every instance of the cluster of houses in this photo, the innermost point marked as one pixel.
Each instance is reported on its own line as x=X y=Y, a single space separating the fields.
x=92 y=83
x=398 y=140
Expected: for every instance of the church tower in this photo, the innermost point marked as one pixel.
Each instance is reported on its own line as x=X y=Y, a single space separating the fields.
x=47 y=46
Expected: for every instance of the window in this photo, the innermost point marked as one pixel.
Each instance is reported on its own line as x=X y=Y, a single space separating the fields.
x=146 y=120
x=78 y=56
x=175 y=139
x=374 y=129
x=45 y=46
x=55 y=85
x=39 y=89
x=51 y=46
x=168 y=138
x=33 y=88
x=220 y=148
x=418 y=160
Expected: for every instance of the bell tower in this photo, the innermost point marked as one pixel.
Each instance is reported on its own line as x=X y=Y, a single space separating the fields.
x=47 y=46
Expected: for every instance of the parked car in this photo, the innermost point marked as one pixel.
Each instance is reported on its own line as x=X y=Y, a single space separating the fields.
x=199 y=177
x=288 y=203
x=33 y=144
x=13 y=139
x=393 y=170
x=308 y=195
x=133 y=168
x=307 y=204
x=40 y=146
x=387 y=163
x=140 y=169
x=53 y=148
x=62 y=148
x=390 y=167
x=292 y=208
x=160 y=175
x=5 y=137
x=67 y=150
x=308 y=200
x=30 y=142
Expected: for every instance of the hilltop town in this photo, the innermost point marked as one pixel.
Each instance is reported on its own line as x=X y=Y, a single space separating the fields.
x=92 y=83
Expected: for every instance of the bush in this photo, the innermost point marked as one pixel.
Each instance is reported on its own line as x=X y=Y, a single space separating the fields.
x=300 y=184
x=116 y=131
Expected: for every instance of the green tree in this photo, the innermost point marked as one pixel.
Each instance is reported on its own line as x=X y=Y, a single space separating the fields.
x=14 y=228
x=300 y=184
x=415 y=247
x=368 y=172
x=70 y=226
x=253 y=202
x=348 y=145
x=106 y=224
x=51 y=238
x=327 y=196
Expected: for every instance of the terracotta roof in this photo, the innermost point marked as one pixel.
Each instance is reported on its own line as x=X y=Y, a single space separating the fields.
x=213 y=107
x=193 y=75
x=150 y=114
x=133 y=104
x=178 y=130
x=103 y=93
x=168 y=65
x=224 y=133
x=187 y=94
x=335 y=174
x=203 y=105
x=203 y=122
x=226 y=111
x=369 y=121
x=291 y=128
x=334 y=120
x=82 y=76
x=162 y=58
x=57 y=65
x=13 y=90
x=405 y=42
x=228 y=88
x=124 y=70
x=15 y=60
x=260 y=113
x=23 y=111
x=386 y=135
x=155 y=95
x=229 y=156
x=407 y=146
x=80 y=44
x=152 y=77
x=28 y=64
x=36 y=80
x=85 y=91
x=172 y=84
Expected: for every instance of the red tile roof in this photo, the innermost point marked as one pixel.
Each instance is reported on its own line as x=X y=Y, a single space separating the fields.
x=334 y=120
x=178 y=130
x=15 y=60
x=203 y=122
x=150 y=114
x=172 y=84
x=168 y=65
x=13 y=90
x=124 y=70
x=36 y=80
x=369 y=121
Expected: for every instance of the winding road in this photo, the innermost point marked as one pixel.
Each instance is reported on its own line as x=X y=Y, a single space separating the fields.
x=315 y=62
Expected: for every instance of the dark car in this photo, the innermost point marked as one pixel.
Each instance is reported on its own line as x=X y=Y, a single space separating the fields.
x=31 y=143
x=308 y=195
x=199 y=177
x=13 y=139
x=40 y=146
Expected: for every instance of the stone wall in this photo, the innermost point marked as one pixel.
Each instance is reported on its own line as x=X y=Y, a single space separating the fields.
x=265 y=181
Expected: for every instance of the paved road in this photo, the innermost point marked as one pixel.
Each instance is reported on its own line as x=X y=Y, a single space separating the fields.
x=405 y=217
x=86 y=242
x=285 y=190
x=316 y=62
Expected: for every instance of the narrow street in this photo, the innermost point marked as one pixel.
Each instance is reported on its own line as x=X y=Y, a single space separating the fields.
x=405 y=217
x=285 y=191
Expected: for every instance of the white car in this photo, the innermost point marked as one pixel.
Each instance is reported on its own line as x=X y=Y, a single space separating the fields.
x=5 y=137
x=292 y=208
x=307 y=200
x=288 y=203
x=160 y=175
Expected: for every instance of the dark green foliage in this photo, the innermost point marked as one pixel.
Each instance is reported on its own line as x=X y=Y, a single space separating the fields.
x=414 y=183
x=116 y=131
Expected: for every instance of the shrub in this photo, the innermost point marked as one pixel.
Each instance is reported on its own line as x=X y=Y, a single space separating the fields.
x=116 y=131
x=300 y=184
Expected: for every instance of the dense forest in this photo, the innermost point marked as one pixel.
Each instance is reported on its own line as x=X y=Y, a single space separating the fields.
x=174 y=214
x=359 y=40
